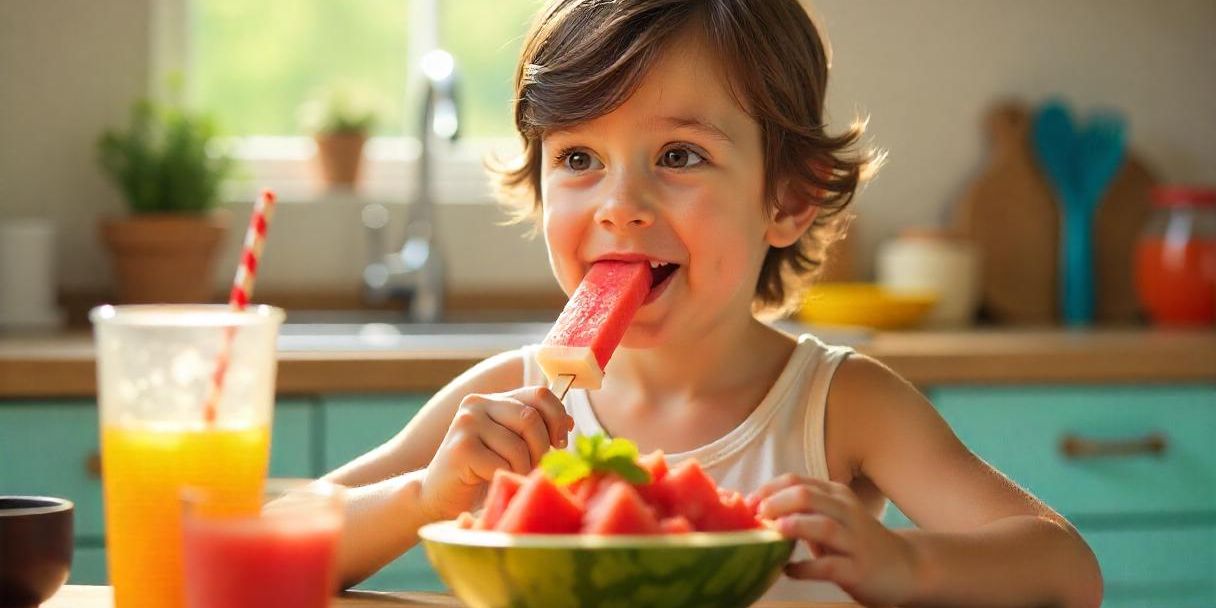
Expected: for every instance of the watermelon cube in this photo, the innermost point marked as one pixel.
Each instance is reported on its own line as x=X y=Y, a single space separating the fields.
x=676 y=525
x=655 y=495
x=540 y=507
x=619 y=509
x=730 y=514
x=587 y=489
x=503 y=487
x=655 y=464
x=688 y=491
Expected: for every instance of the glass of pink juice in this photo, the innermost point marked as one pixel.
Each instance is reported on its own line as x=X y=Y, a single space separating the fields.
x=281 y=554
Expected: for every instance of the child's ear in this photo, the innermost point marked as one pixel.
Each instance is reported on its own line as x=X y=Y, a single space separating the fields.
x=793 y=217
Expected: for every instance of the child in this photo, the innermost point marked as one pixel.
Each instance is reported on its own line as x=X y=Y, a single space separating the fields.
x=690 y=132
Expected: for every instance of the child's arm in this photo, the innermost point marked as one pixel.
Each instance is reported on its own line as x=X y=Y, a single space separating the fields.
x=437 y=466
x=983 y=540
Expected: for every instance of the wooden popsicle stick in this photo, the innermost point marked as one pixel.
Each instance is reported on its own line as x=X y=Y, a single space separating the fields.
x=561 y=385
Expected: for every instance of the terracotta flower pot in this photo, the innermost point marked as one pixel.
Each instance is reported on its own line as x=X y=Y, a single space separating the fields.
x=341 y=156
x=164 y=258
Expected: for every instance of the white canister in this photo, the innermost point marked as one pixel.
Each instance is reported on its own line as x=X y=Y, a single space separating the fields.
x=27 y=275
x=938 y=261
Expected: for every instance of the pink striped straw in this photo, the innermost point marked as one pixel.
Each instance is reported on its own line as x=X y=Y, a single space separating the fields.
x=242 y=289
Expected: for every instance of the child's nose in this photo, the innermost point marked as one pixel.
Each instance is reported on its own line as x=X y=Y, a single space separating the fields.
x=628 y=205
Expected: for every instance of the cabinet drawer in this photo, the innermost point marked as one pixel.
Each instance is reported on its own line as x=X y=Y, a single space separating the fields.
x=355 y=424
x=1020 y=430
x=45 y=449
x=1159 y=567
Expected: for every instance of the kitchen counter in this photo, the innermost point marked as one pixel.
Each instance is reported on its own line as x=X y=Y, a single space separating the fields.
x=63 y=365
x=78 y=596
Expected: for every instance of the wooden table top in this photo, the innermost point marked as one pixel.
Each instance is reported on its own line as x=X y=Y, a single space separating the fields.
x=81 y=596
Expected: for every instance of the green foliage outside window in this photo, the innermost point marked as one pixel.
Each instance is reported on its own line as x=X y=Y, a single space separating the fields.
x=254 y=63
x=486 y=49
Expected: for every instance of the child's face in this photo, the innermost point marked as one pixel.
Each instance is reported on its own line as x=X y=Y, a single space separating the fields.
x=675 y=174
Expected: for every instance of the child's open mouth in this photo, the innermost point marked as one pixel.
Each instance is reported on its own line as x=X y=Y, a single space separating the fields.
x=660 y=277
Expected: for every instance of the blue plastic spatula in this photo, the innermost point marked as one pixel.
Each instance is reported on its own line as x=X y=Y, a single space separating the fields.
x=1080 y=167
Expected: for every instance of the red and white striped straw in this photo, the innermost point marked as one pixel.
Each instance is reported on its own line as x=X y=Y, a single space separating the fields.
x=242 y=289
x=255 y=237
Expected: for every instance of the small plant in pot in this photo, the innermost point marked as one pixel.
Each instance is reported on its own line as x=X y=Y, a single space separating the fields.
x=164 y=250
x=341 y=118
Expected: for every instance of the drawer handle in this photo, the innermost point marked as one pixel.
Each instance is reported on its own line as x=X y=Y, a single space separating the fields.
x=92 y=465
x=1075 y=447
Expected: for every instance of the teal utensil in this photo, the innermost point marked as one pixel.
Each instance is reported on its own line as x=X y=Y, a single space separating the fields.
x=1080 y=167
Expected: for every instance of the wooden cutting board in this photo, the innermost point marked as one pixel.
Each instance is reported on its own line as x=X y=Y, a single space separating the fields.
x=1010 y=212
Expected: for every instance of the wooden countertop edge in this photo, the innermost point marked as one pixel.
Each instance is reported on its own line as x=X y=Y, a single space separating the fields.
x=924 y=359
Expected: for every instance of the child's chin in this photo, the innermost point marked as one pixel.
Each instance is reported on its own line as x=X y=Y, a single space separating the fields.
x=642 y=336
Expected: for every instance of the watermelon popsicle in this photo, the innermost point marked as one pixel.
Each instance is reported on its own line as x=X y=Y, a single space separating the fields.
x=577 y=348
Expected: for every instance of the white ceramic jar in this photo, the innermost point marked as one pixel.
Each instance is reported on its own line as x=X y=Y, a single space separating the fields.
x=924 y=259
x=27 y=275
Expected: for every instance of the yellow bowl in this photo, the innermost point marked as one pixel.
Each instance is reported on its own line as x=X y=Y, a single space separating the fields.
x=865 y=305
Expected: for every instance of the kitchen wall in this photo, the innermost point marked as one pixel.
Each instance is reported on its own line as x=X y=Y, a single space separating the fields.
x=926 y=71
x=67 y=70
x=922 y=71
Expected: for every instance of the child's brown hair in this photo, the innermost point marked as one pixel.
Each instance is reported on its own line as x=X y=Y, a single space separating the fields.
x=584 y=58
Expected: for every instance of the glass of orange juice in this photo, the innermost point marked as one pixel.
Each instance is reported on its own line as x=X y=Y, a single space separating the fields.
x=186 y=397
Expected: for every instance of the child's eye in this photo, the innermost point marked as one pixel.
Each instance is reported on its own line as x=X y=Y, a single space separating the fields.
x=680 y=158
x=577 y=160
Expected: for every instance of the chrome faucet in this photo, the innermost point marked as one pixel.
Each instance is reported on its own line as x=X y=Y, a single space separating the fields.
x=415 y=272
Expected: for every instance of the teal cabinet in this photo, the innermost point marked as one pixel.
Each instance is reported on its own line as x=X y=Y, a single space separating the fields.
x=1022 y=432
x=353 y=425
x=51 y=447
x=88 y=564
x=1134 y=469
x=412 y=571
x=294 y=439
x=1156 y=566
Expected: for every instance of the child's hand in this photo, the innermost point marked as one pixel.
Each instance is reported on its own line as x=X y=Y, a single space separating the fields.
x=851 y=548
x=510 y=430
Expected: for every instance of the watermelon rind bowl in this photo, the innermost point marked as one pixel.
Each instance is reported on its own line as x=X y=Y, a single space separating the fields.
x=697 y=569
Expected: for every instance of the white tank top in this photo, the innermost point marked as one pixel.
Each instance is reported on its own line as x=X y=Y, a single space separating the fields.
x=784 y=434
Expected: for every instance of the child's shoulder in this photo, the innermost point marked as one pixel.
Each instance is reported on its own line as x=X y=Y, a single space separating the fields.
x=865 y=375
x=868 y=402
x=497 y=374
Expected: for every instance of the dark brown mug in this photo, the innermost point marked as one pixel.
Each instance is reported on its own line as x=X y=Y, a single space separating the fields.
x=35 y=548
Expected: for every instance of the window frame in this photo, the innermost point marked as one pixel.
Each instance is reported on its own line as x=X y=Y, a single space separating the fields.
x=288 y=163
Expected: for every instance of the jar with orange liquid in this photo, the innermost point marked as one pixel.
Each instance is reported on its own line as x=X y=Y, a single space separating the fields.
x=1176 y=257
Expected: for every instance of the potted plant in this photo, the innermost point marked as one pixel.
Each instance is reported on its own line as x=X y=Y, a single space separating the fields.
x=164 y=250
x=340 y=119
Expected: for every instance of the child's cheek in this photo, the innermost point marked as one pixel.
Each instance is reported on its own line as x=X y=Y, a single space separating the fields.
x=562 y=243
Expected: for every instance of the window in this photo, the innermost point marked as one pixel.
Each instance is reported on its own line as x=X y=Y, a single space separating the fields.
x=487 y=48
x=252 y=64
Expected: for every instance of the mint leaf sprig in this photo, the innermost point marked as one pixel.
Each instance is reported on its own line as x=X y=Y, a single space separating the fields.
x=595 y=454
